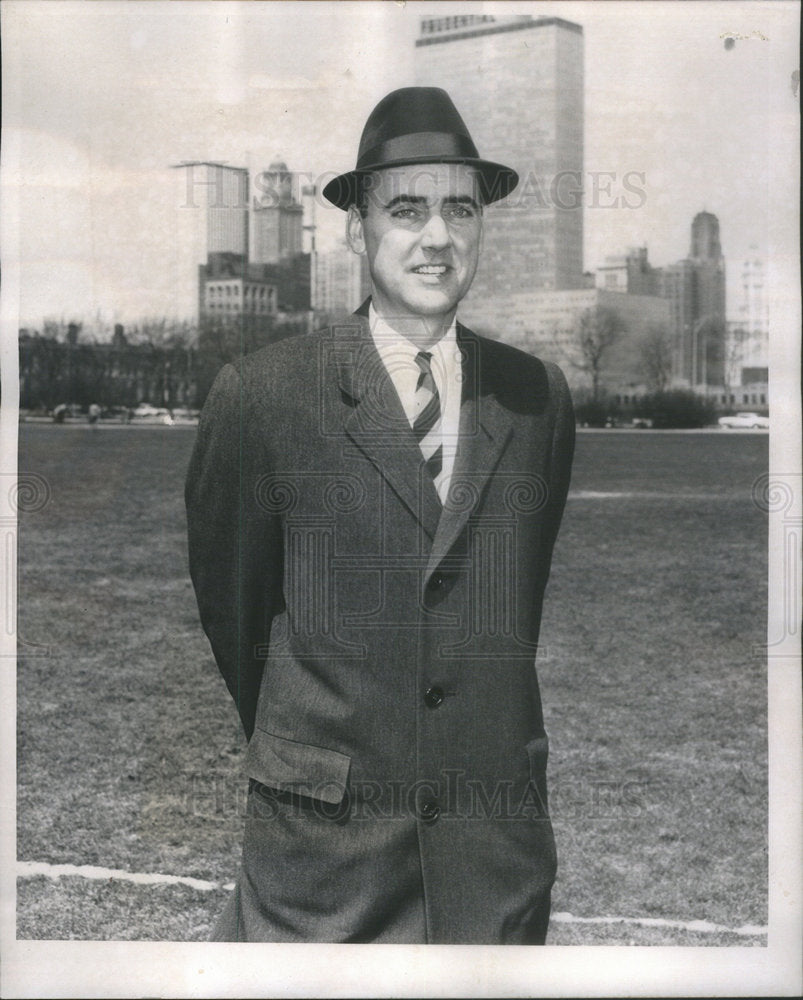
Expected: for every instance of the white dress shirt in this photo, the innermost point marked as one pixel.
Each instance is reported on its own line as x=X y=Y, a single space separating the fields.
x=398 y=356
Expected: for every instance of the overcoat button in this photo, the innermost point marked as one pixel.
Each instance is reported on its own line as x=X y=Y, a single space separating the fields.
x=433 y=697
x=436 y=581
x=429 y=811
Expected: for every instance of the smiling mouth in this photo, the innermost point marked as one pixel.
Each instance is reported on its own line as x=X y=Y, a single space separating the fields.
x=436 y=270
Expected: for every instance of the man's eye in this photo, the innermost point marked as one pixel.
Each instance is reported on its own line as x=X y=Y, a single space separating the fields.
x=404 y=213
x=462 y=212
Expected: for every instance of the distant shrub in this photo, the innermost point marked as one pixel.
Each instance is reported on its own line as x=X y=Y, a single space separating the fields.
x=676 y=408
x=595 y=413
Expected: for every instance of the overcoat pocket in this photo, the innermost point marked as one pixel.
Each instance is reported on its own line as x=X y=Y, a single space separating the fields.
x=300 y=768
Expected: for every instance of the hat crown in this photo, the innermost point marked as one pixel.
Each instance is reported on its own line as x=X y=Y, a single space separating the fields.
x=410 y=111
x=418 y=125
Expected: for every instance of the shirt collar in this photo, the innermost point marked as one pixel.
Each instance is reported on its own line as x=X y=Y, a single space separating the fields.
x=390 y=342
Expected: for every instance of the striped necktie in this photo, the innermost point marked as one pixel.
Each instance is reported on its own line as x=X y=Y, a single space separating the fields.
x=427 y=424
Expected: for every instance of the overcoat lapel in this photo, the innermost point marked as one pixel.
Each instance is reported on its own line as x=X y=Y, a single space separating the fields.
x=377 y=423
x=485 y=429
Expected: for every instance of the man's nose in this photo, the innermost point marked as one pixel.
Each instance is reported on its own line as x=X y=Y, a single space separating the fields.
x=435 y=234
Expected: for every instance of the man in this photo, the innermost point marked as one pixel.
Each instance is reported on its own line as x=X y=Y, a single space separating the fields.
x=372 y=512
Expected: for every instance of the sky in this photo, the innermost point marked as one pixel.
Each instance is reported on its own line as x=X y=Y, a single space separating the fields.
x=100 y=99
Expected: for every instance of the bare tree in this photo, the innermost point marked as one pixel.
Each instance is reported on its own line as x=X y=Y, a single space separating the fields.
x=597 y=331
x=655 y=350
x=159 y=331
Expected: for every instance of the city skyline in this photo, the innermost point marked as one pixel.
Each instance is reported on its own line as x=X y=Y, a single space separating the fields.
x=142 y=87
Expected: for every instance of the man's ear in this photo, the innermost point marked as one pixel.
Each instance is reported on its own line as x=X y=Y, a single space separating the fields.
x=354 y=232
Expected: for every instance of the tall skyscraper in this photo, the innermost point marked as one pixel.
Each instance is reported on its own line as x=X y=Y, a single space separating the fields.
x=277 y=217
x=754 y=316
x=518 y=83
x=695 y=288
x=309 y=193
x=676 y=284
x=340 y=280
x=709 y=267
x=211 y=216
x=708 y=328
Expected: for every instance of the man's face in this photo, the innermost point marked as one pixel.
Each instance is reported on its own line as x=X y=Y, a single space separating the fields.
x=421 y=233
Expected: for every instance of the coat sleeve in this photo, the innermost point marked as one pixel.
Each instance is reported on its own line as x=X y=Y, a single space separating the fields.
x=235 y=547
x=562 y=455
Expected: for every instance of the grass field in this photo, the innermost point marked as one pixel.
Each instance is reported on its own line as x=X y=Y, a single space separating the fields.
x=129 y=747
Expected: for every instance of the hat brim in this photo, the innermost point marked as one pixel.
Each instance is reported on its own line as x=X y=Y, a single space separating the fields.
x=496 y=180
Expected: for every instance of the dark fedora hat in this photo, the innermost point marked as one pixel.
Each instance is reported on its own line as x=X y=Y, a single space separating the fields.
x=418 y=125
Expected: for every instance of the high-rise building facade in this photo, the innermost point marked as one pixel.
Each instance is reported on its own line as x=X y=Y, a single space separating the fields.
x=709 y=267
x=754 y=315
x=708 y=327
x=518 y=84
x=211 y=216
x=340 y=280
x=277 y=216
x=676 y=285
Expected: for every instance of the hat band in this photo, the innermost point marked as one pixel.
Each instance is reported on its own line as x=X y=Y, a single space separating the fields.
x=419 y=145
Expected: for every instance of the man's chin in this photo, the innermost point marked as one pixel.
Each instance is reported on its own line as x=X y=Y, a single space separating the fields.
x=433 y=303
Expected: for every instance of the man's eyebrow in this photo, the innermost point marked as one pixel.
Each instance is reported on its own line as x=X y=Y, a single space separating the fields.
x=415 y=199
x=462 y=199
x=406 y=199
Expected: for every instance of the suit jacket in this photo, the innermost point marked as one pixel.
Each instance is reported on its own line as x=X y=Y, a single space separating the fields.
x=380 y=646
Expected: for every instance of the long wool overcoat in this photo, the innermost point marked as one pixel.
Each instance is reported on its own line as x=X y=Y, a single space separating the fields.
x=380 y=646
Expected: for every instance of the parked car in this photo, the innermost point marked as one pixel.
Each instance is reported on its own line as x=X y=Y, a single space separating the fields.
x=153 y=414
x=736 y=420
x=185 y=415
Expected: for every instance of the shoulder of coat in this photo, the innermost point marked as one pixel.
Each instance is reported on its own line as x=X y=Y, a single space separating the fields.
x=288 y=353
x=514 y=376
